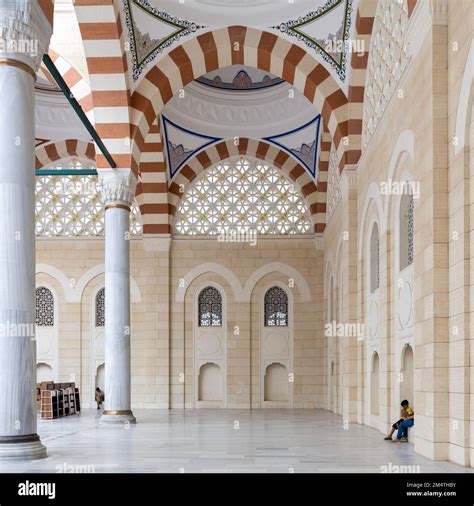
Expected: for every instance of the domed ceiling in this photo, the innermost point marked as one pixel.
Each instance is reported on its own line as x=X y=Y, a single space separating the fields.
x=239 y=101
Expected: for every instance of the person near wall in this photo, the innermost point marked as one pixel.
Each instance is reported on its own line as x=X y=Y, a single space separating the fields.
x=401 y=426
x=99 y=397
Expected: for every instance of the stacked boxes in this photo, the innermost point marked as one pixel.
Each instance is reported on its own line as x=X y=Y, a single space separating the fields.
x=58 y=399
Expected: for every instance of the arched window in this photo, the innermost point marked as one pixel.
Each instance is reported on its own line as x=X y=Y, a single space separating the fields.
x=44 y=307
x=100 y=308
x=238 y=197
x=406 y=230
x=210 y=307
x=374 y=259
x=276 y=307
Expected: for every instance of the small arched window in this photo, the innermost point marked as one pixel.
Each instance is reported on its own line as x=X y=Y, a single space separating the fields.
x=210 y=307
x=374 y=259
x=100 y=308
x=406 y=230
x=44 y=307
x=276 y=307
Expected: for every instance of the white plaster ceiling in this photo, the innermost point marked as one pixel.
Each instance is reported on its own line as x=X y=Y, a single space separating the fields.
x=205 y=114
x=55 y=119
x=245 y=113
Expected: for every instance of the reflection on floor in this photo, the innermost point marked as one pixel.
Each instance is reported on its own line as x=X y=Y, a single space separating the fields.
x=221 y=441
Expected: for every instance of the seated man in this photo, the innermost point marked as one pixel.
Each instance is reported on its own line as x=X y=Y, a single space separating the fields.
x=407 y=414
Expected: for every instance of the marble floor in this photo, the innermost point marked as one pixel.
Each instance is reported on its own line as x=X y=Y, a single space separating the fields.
x=220 y=441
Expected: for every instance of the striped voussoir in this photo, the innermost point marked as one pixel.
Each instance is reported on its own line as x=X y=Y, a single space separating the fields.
x=58 y=150
x=237 y=45
x=253 y=148
x=152 y=187
x=359 y=60
x=104 y=47
x=77 y=83
x=322 y=184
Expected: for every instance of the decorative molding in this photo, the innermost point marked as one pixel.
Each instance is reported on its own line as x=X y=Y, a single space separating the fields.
x=117 y=186
x=241 y=82
x=24 y=32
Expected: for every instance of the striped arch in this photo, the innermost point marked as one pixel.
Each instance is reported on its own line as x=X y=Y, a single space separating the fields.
x=216 y=49
x=77 y=83
x=323 y=169
x=52 y=151
x=363 y=32
x=261 y=150
x=104 y=43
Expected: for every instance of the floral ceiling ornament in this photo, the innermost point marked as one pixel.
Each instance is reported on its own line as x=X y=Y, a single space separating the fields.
x=145 y=46
x=328 y=39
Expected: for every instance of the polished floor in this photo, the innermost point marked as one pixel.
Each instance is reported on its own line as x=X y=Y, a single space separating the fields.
x=220 y=441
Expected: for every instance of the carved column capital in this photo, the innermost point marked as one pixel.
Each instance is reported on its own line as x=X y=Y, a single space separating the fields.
x=24 y=33
x=117 y=186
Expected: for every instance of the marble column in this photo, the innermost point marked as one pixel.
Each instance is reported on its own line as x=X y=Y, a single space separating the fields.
x=24 y=36
x=118 y=191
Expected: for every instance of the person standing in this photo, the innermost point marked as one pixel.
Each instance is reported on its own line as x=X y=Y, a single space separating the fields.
x=99 y=397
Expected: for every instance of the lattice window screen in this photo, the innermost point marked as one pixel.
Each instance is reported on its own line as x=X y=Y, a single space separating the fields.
x=276 y=307
x=44 y=307
x=210 y=307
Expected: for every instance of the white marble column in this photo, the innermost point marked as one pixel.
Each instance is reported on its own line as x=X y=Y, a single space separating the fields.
x=118 y=191
x=24 y=35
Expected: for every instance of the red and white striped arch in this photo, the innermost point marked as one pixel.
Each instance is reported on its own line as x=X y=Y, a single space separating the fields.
x=104 y=47
x=57 y=150
x=253 y=148
x=237 y=45
x=77 y=83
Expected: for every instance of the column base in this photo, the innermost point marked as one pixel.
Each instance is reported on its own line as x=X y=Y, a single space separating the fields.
x=117 y=416
x=22 y=447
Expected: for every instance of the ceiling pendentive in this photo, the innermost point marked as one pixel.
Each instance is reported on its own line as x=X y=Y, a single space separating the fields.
x=326 y=30
x=151 y=31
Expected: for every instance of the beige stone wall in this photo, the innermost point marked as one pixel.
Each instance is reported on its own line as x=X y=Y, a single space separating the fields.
x=163 y=327
x=415 y=139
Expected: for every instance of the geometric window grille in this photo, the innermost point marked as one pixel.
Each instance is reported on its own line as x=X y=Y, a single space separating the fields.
x=374 y=259
x=100 y=308
x=44 y=307
x=411 y=209
x=210 y=307
x=387 y=61
x=71 y=206
x=240 y=196
x=276 y=307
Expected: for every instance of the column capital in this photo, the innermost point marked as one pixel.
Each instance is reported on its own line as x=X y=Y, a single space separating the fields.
x=117 y=186
x=25 y=32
